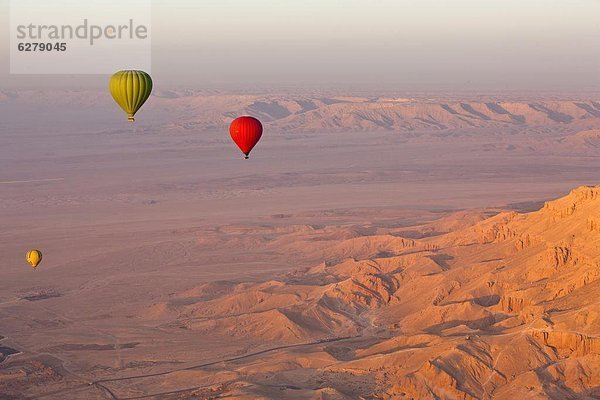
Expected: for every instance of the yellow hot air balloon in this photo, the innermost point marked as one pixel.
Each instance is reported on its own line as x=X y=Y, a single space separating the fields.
x=130 y=89
x=34 y=257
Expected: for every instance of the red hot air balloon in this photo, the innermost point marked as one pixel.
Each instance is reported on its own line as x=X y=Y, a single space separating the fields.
x=246 y=132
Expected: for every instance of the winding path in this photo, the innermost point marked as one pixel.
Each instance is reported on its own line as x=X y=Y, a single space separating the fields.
x=100 y=384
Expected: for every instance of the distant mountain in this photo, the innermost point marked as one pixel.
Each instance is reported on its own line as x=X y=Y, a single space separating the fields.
x=209 y=111
x=589 y=139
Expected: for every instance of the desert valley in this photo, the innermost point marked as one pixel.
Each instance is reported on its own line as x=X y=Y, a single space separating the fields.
x=373 y=247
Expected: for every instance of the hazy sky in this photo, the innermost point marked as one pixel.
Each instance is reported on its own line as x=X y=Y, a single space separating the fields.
x=396 y=44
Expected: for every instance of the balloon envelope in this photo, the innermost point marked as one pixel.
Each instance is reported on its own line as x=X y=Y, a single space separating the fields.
x=246 y=132
x=33 y=257
x=130 y=89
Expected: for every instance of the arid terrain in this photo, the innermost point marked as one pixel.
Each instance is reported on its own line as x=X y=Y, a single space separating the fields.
x=412 y=247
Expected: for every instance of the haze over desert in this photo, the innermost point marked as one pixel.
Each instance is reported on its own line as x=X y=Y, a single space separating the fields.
x=372 y=247
x=299 y=200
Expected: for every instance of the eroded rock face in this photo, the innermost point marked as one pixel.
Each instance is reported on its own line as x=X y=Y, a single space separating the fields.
x=366 y=291
x=431 y=381
x=568 y=343
x=569 y=205
x=594 y=224
x=512 y=304
x=501 y=308
x=567 y=286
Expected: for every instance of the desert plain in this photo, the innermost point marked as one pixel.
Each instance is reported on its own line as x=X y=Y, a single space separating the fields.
x=373 y=247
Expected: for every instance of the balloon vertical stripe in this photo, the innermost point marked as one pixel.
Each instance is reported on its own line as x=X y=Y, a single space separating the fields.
x=246 y=132
x=130 y=89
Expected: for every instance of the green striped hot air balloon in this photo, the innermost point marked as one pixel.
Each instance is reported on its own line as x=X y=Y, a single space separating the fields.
x=130 y=89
